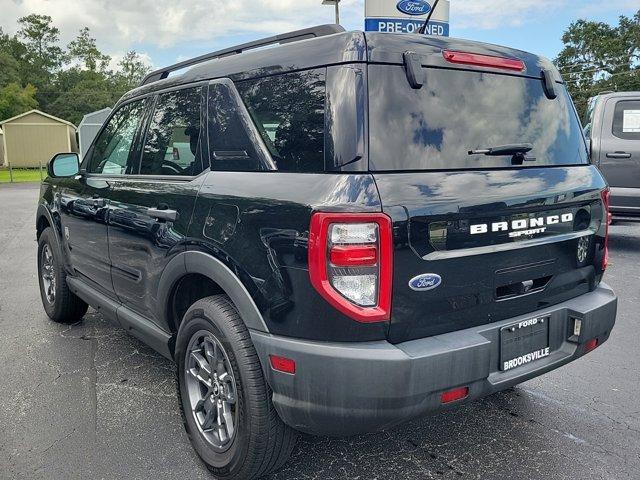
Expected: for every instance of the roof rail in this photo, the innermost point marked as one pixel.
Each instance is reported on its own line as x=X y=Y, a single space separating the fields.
x=313 y=32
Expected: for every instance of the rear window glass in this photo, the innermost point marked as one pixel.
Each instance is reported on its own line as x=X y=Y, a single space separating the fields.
x=626 y=120
x=457 y=111
x=288 y=111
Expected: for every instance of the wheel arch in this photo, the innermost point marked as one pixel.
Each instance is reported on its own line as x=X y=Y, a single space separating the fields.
x=44 y=220
x=224 y=280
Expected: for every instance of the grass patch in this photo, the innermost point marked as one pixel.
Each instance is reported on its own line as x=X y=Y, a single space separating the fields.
x=21 y=175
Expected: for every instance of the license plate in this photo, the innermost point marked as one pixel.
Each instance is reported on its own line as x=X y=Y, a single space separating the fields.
x=524 y=342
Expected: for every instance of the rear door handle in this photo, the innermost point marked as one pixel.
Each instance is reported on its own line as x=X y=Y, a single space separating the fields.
x=163 y=214
x=618 y=155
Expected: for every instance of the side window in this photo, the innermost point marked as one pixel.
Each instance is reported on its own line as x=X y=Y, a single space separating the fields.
x=112 y=149
x=288 y=111
x=626 y=120
x=234 y=143
x=172 y=145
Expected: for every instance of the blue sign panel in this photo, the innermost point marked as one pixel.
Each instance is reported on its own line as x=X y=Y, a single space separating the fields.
x=399 y=25
x=414 y=7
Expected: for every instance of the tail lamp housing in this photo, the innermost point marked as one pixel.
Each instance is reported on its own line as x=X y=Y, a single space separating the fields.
x=351 y=263
x=606 y=196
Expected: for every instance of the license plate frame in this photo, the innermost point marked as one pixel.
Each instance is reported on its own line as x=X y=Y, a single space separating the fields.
x=524 y=342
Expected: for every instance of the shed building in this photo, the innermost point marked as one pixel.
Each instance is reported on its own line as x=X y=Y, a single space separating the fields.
x=89 y=127
x=33 y=138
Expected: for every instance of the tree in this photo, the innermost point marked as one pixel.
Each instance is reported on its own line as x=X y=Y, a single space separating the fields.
x=84 y=49
x=40 y=56
x=131 y=70
x=69 y=83
x=9 y=69
x=40 y=39
x=15 y=100
x=81 y=92
x=10 y=46
x=598 y=57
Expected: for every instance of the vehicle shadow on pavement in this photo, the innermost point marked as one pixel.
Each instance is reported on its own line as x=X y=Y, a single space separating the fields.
x=116 y=415
x=482 y=439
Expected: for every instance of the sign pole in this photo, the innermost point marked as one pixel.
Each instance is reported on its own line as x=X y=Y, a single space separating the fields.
x=336 y=4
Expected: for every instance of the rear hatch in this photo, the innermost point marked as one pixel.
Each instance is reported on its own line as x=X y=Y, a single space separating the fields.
x=480 y=238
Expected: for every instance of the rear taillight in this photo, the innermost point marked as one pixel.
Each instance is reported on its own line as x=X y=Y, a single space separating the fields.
x=605 y=194
x=477 y=60
x=350 y=263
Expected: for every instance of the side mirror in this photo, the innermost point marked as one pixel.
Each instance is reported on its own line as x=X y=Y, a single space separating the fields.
x=64 y=165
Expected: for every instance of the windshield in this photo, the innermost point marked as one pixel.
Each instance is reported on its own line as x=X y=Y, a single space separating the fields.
x=458 y=111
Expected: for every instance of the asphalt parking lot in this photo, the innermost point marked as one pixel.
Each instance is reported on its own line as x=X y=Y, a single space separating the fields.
x=88 y=401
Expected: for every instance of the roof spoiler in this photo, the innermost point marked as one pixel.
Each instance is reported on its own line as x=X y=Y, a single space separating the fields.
x=313 y=32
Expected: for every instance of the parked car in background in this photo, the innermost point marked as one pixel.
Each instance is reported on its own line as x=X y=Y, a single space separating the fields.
x=612 y=125
x=336 y=234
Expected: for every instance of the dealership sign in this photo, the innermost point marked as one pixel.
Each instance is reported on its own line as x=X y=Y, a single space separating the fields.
x=406 y=16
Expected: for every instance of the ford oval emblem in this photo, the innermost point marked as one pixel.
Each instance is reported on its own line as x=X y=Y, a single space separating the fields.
x=424 y=282
x=414 y=7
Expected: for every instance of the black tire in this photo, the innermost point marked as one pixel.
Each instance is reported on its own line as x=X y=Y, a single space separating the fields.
x=64 y=306
x=262 y=442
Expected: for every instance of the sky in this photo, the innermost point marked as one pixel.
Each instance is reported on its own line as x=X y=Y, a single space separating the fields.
x=167 y=31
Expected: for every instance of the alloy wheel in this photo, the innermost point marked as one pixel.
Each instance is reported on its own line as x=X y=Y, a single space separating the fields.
x=48 y=274
x=211 y=389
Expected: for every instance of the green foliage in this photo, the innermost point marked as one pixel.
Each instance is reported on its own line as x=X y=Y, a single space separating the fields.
x=82 y=92
x=8 y=69
x=598 y=57
x=85 y=50
x=35 y=72
x=40 y=39
x=15 y=99
x=131 y=70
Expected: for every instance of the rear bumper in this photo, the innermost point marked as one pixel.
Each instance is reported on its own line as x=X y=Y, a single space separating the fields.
x=625 y=203
x=349 y=388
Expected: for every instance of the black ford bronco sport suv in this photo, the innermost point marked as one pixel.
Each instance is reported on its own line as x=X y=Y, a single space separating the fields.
x=336 y=234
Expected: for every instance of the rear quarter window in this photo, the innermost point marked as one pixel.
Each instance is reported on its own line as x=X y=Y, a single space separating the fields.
x=288 y=111
x=456 y=111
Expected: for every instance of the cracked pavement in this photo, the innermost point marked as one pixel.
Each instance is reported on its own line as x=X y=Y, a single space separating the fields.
x=89 y=401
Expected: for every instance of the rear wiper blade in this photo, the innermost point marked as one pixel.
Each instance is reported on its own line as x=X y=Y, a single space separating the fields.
x=514 y=149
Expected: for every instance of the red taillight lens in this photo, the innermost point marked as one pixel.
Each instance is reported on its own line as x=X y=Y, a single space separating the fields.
x=282 y=364
x=591 y=345
x=354 y=256
x=605 y=194
x=454 y=395
x=475 y=59
x=350 y=263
